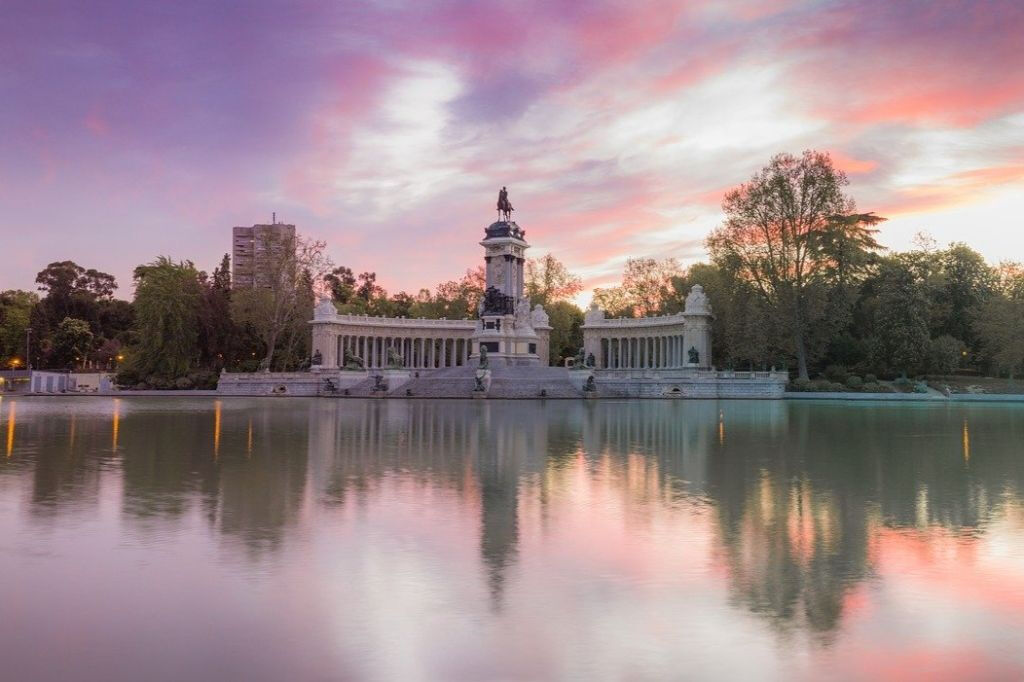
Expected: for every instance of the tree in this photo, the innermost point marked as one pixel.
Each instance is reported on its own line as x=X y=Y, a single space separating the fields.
x=1000 y=321
x=774 y=233
x=219 y=336
x=457 y=299
x=614 y=301
x=72 y=290
x=72 y=341
x=283 y=304
x=968 y=281
x=342 y=283
x=901 y=341
x=647 y=283
x=566 y=320
x=167 y=300
x=548 y=280
x=15 y=317
x=944 y=354
x=368 y=288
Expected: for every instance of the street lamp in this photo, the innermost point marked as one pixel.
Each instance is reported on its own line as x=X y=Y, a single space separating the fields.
x=15 y=362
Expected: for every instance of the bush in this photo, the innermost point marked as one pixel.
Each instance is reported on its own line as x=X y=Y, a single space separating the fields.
x=204 y=380
x=920 y=387
x=182 y=383
x=944 y=354
x=799 y=385
x=903 y=384
x=836 y=373
x=870 y=379
x=855 y=382
x=836 y=387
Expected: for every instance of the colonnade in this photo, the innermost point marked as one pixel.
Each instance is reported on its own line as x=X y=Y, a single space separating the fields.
x=643 y=352
x=417 y=352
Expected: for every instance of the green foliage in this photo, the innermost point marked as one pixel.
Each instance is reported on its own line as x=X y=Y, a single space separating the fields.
x=566 y=320
x=944 y=354
x=1000 y=322
x=836 y=373
x=15 y=317
x=900 y=326
x=72 y=341
x=780 y=235
x=167 y=300
x=854 y=382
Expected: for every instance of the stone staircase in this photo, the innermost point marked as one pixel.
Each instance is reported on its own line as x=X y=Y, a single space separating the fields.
x=451 y=382
x=528 y=382
x=506 y=382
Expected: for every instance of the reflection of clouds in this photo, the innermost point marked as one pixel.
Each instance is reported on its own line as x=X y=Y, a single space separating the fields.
x=464 y=540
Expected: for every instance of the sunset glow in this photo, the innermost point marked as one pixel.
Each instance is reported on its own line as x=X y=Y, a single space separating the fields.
x=387 y=128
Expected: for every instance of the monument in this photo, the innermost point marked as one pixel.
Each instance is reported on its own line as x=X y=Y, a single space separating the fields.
x=504 y=352
x=511 y=333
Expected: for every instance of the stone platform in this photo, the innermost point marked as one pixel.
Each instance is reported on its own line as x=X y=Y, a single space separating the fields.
x=509 y=383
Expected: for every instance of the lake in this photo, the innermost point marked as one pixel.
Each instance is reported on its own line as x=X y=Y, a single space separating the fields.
x=317 y=539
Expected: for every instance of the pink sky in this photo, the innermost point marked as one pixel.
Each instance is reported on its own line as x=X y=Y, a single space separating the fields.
x=133 y=129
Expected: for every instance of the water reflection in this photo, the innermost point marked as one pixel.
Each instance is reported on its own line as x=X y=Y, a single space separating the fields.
x=811 y=520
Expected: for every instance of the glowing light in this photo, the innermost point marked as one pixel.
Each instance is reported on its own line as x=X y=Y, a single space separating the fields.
x=71 y=435
x=116 y=421
x=216 y=428
x=248 y=442
x=721 y=428
x=967 y=443
x=10 y=429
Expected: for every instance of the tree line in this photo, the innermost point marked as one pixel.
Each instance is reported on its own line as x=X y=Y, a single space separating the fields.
x=796 y=277
x=798 y=280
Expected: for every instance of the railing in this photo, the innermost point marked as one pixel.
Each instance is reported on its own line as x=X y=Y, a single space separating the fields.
x=655 y=321
x=372 y=321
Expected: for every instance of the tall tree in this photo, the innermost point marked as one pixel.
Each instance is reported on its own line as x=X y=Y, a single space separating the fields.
x=1000 y=321
x=968 y=282
x=901 y=341
x=282 y=304
x=15 y=317
x=168 y=296
x=648 y=283
x=773 y=234
x=548 y=280
x=342 y=283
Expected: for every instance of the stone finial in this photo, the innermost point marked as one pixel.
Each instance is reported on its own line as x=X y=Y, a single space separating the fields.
x=324 y=310
x=539 y=317
x=593 y=314
x=697 y=301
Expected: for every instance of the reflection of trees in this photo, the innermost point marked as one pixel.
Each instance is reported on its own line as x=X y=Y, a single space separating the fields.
x=796 y=508
x=797 y=489
x=245 y=467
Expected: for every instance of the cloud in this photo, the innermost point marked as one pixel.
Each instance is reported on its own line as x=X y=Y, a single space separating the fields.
x=387 y=127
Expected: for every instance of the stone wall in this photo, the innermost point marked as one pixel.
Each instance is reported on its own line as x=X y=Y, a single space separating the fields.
x=652 y=384
x=286 y=383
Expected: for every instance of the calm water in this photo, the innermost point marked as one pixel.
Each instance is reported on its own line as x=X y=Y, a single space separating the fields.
x=291 y=539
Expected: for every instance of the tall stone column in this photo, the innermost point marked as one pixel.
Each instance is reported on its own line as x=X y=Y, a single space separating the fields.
x=697 y=327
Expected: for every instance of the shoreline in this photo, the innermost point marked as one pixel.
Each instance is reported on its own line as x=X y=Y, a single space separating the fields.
x=791 y=395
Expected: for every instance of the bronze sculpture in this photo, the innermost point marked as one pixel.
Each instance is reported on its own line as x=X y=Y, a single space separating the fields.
x=504 y=205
